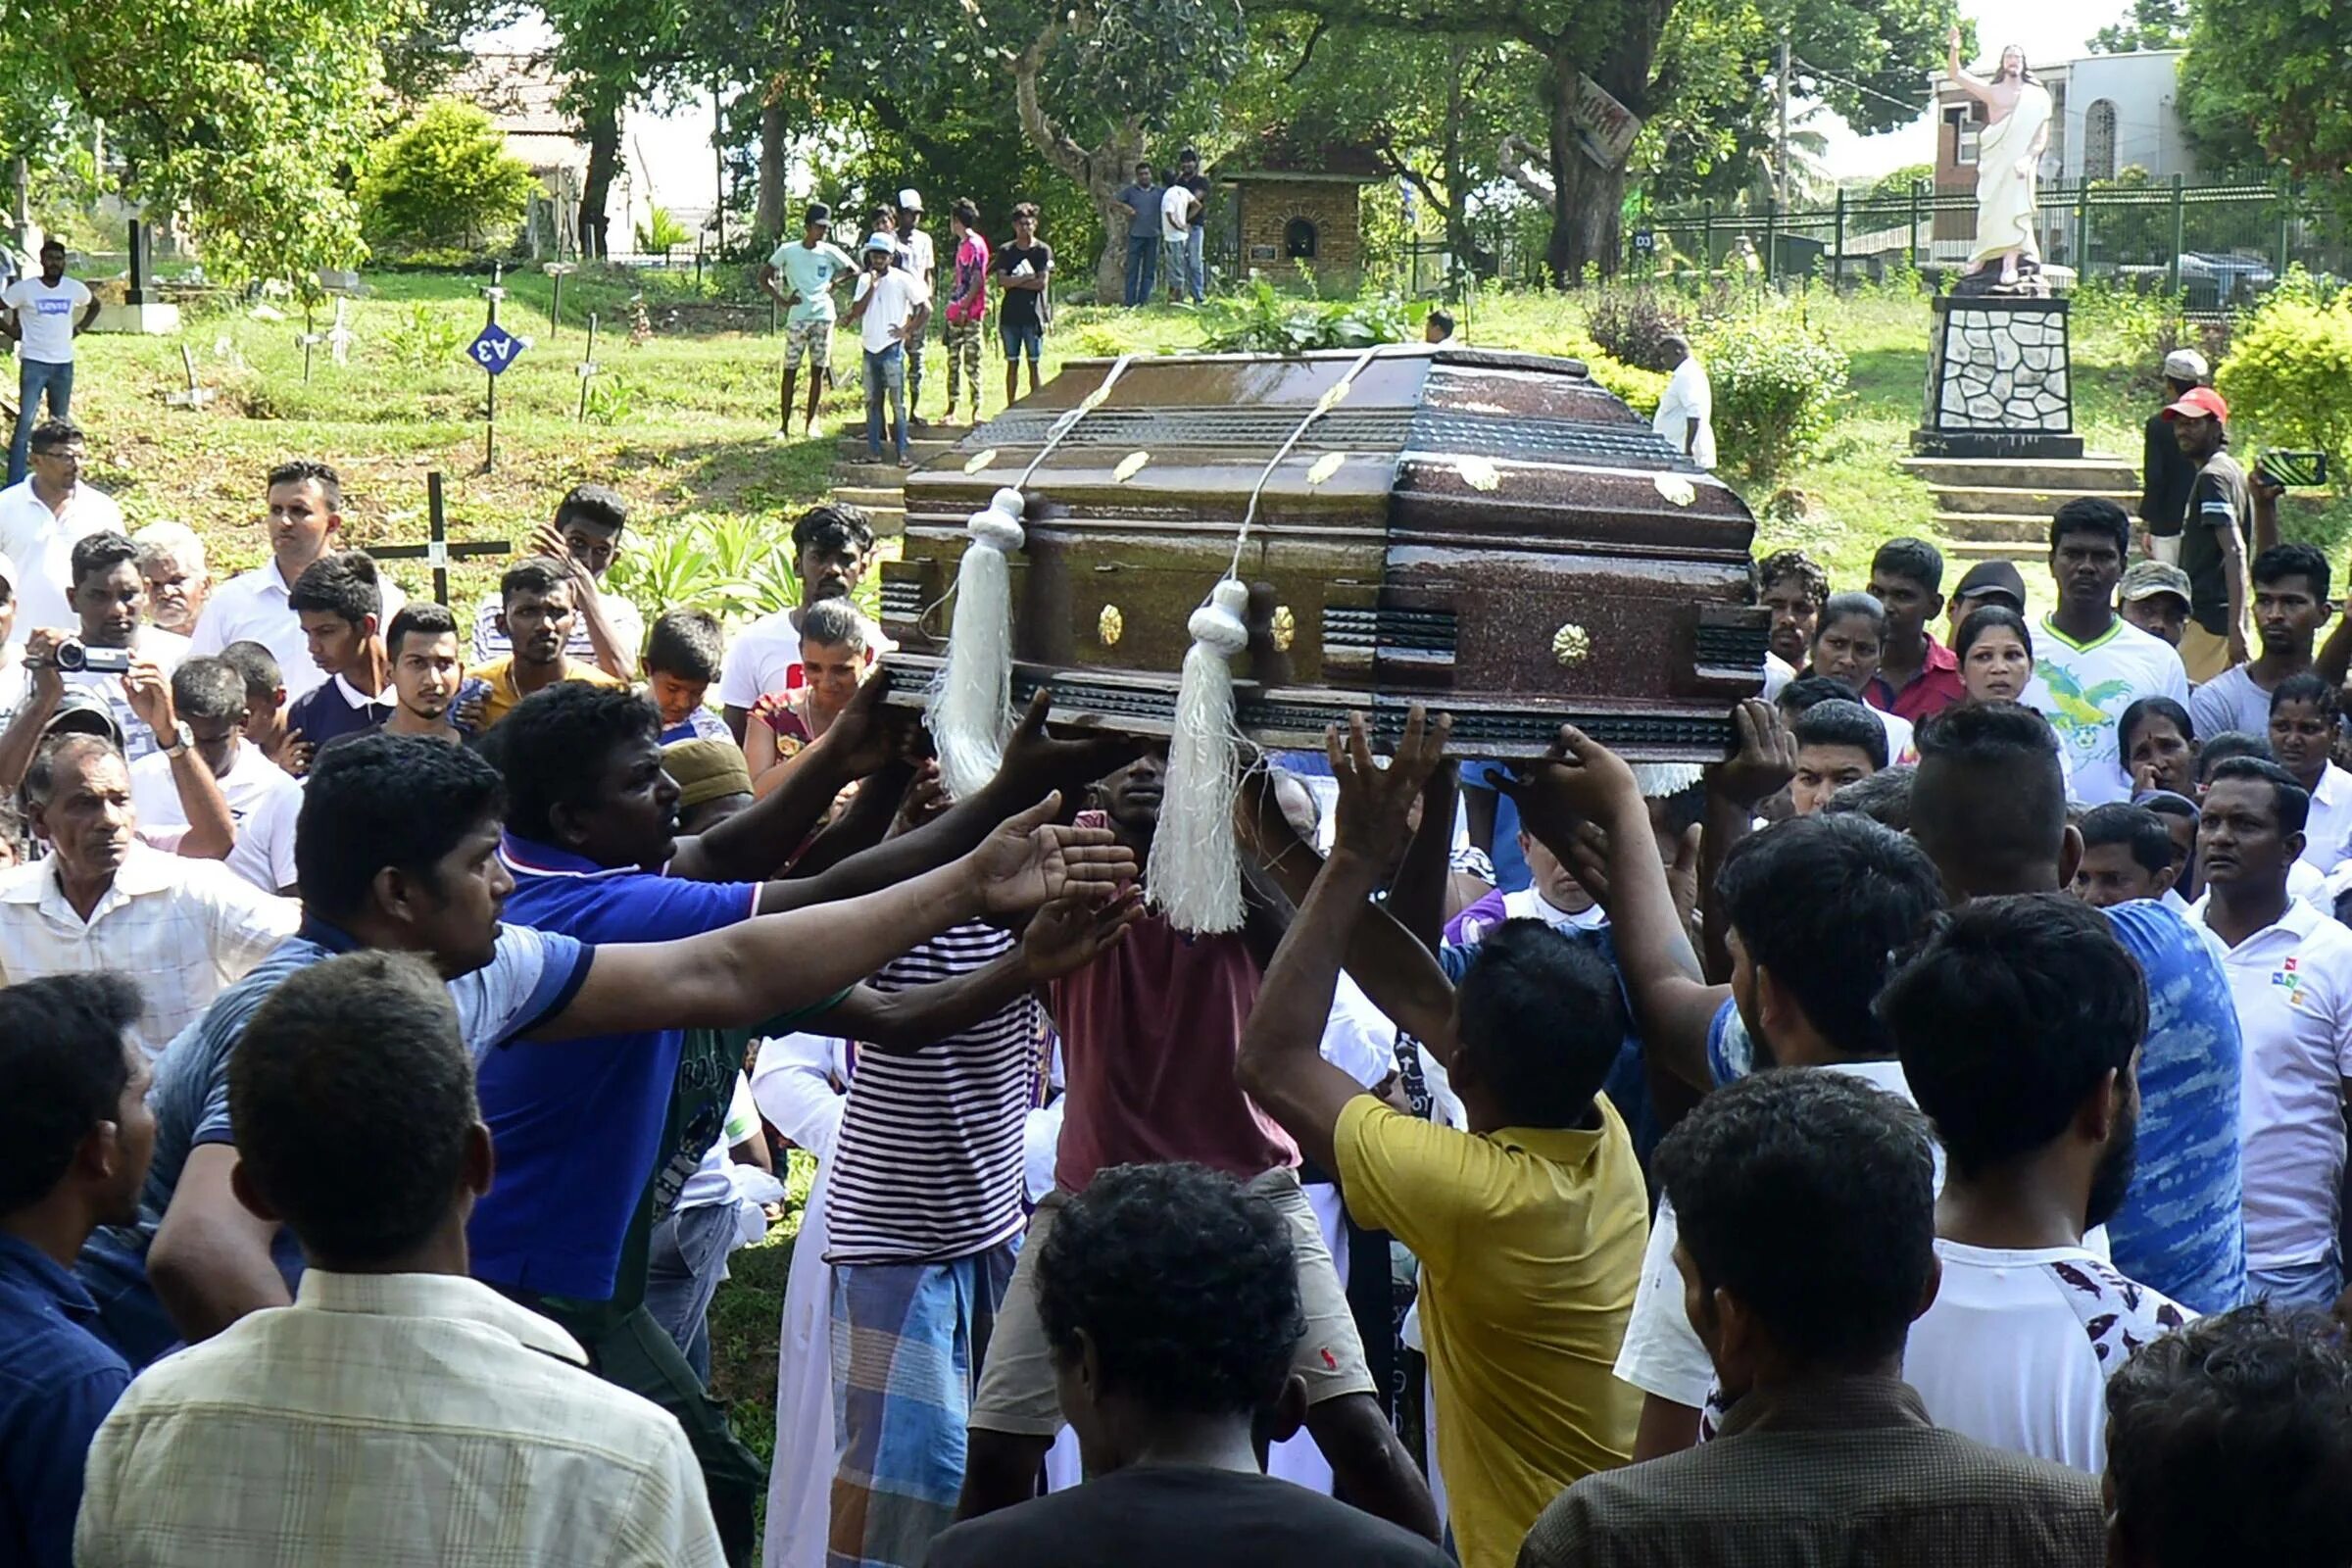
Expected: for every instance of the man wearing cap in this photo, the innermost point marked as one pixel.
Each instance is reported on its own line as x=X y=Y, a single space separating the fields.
x=2155 y=599
x=2213 y=535
x=41 y=517
x=921 y=263
x=1987 y=582
x=889 y=314
x=2165 y=473
x=812 y=270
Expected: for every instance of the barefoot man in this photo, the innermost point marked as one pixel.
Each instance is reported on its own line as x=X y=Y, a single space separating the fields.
x=2017 y=127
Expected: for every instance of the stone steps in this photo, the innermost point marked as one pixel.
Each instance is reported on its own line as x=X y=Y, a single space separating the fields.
x=2070 y=474
x=2013 y=534
x=2015 y=502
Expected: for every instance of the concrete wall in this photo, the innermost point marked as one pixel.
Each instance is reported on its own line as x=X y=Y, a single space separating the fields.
x=2141 y=88
x=1269 y=206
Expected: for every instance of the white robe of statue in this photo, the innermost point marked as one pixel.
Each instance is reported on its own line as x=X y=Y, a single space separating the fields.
x=2004 y=196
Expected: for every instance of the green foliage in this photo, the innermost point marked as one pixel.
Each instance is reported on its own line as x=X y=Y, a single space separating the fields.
x=2278 y=71
x=612 y=399
x=445 y=179
x=1642 y=389
x=1895 y=186
x=660 y=233
x=2147 y=24
x=729 y=565
x=2289 y=370
x=423 y=337
x=243 y=116
x=1631 y=325
x=1778 y=386
x=1262 y=320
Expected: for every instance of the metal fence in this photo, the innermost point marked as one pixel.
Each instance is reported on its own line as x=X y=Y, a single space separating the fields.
x=2217 y=246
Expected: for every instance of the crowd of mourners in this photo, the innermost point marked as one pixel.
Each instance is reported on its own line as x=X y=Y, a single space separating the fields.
x=1918 y=1139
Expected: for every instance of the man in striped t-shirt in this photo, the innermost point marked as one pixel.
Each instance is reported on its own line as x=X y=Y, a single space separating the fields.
x=925 y=1204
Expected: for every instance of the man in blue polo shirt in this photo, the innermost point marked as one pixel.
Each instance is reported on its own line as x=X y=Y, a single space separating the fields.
x=74 y=1135
x=341 y=609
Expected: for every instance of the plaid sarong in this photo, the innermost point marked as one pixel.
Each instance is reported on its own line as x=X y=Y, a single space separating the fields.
x=908 y=1342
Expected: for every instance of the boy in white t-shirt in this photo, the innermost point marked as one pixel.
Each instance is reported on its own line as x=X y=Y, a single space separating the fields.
x=890 y=313
x=2019 y=1027
x=2093 y=663
x=44 y=315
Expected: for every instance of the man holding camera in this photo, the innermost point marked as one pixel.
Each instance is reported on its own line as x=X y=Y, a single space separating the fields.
x=116 y=654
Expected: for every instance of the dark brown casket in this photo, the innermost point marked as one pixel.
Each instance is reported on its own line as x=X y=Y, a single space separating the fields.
x=1498 y=536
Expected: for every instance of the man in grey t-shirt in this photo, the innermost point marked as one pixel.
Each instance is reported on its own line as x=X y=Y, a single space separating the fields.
x=2213 y=537
x=2290 y=605
x=1140 y=198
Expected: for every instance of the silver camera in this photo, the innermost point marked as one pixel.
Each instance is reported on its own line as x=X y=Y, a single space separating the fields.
x=96 y=661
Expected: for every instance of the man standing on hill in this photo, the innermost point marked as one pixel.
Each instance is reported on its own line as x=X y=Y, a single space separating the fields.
x=923 y=265
x=813 y=269
x=41 y=317
x=1196 y=232
x=2213 y=536
x=2165 y=473
x=1027 y=266
x=1685 y=417
x=41 y=514
x=1140 y=198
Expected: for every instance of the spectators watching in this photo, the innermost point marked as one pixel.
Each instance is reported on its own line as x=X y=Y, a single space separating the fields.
x=1790 y=586
x=1026 y=265
x=428 y=673
x=683 y=657
x=2290 y=605
x=2165 y=472
x=207 y=696
x=43 y=512
x=2093 y=665
x=172 y=560
x=44 y=315
x=2154 y=597
x=1918 y=676
x=832 y=550
x=538 y=619
x=342 y=613
x=838 y=646
x=2127 y=854
x=1987 y=582
x=1837 y=743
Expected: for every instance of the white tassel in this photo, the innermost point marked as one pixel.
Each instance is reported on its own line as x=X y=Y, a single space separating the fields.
x=971 y=703
x=1195 y=873
x=1657 y=780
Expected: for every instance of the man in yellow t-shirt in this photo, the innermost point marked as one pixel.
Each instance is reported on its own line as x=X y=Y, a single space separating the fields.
x=536 y=612
x=1531 y=1226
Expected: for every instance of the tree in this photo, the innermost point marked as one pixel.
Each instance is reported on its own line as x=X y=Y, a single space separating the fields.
x=1868 y=59
x=445 y=179
x=2262 y=90
x=243 y=119
x=2148 y=25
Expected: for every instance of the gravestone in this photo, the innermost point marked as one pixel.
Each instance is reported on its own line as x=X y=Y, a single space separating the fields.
x=143 y=309
x=2000 y=380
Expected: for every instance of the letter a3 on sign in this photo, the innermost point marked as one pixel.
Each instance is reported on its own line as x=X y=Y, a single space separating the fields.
x=496 y=349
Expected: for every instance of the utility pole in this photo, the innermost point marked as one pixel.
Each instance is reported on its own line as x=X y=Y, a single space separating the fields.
x=1783 y=159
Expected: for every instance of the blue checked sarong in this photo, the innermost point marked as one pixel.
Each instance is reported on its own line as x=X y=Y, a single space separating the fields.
x=908 y=1342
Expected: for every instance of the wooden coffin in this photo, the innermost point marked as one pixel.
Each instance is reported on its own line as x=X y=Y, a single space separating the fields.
x=1498 y=536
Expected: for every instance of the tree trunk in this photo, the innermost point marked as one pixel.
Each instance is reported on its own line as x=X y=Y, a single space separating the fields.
x=1099 y=171
x=1585 y=198
x=769 y=217
x=603 y=129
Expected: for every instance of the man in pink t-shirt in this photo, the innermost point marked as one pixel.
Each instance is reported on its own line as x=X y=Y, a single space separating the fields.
x=1150 y=1036
x=968 y=303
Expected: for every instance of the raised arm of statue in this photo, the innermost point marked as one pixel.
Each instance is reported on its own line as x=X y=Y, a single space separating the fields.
x=1976 y=88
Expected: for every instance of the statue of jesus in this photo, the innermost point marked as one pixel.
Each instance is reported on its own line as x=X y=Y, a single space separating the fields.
x=2017 y=127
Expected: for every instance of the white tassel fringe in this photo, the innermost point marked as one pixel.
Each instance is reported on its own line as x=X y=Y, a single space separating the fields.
x=1195 y=873
x=970 y=716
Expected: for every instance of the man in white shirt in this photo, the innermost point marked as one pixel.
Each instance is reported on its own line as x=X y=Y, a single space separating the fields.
x=921 y=263
x=2290 y=974
x=110 y=605
x=889 y=312
x=2019 y=1028
x=184 y=929
x=1685 y=417
x=1176 y=202
x=305 y=510
x=44 y=315
x=832 y=548
x=40 y=518
x=398 y=1411
x=172 y=560
x=209 y=696
x=2093 y=663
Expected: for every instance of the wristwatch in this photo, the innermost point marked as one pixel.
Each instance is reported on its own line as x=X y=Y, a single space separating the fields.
x=182 y=738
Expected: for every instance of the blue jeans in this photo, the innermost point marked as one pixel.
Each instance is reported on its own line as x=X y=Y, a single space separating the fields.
x=886 y=372
x=33 y=378
x=685 y=1264
x=1022 y=337
x=1142 y=267
x=1195 y=267
x=2315 y=1284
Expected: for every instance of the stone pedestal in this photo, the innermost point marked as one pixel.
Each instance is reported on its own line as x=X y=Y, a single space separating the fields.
x=1999 y=381
x=160 y=318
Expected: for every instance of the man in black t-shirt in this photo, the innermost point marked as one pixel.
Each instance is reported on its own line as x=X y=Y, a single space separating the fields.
x=1025 y=263
x=1170 y=1301
x=2213 y=536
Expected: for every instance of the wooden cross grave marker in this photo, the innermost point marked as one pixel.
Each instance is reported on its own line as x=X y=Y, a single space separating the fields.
x=437 y=551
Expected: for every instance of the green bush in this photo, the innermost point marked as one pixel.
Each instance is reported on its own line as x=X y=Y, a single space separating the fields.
x=423 y=337
x=1778 y=386
x=443 y=180
x=2289 y=370
x=1642 y=389
x=1261 y=320
x=662 y=232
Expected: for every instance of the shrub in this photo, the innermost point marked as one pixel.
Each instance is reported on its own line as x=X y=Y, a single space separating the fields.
x=443 y=179
x=423 y=337
x=660 y=232
x=2289 y=370
x=1632 y=325
x=1642 y=389
x=1778 y=386
x=1261 y=320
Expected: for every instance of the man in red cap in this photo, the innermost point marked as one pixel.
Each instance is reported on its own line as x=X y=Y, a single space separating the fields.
x=2213 y=536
